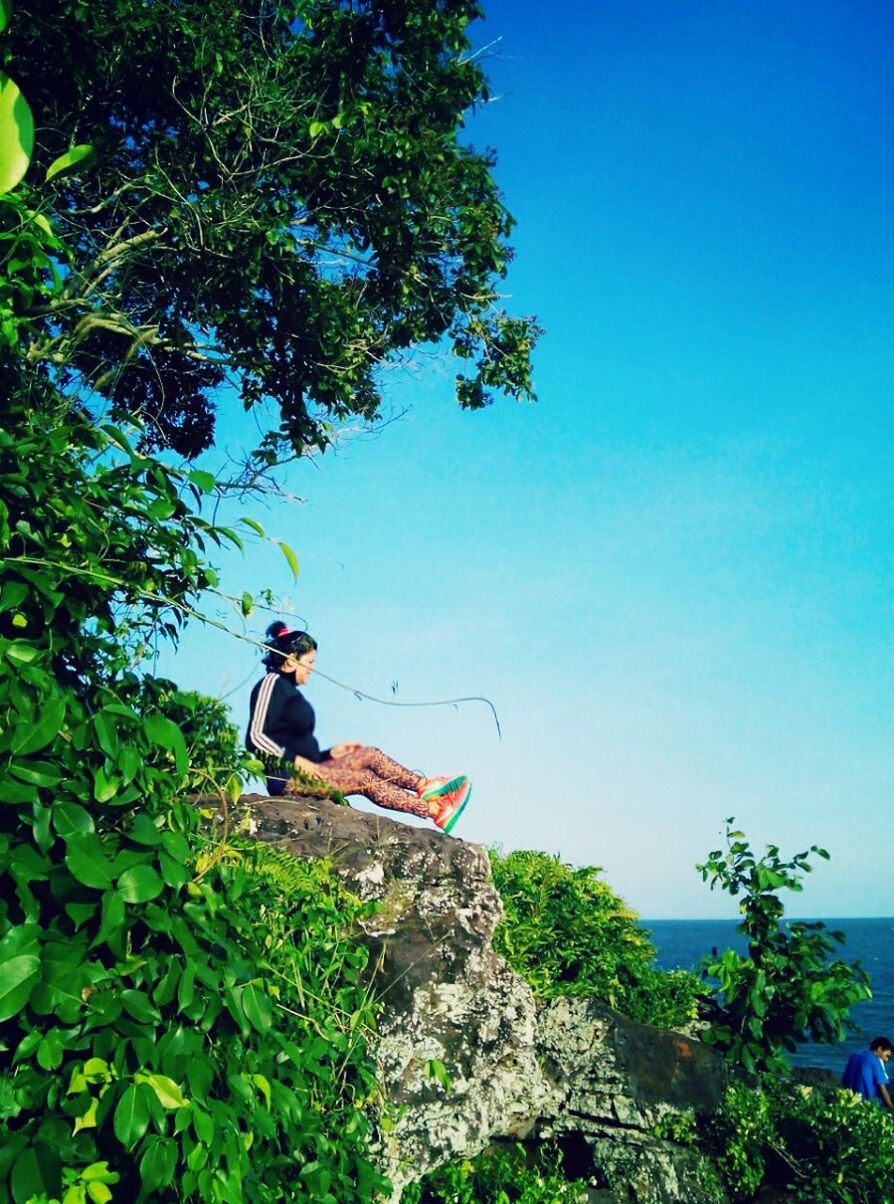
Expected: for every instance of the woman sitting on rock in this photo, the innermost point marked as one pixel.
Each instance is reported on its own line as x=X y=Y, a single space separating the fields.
x=281 y=727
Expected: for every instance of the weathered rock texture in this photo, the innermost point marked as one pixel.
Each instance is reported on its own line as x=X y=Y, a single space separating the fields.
x=613 y=1082
x=465 y=1058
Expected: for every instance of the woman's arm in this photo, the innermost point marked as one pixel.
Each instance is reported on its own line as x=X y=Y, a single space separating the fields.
x=305 y=766
x=267 y=710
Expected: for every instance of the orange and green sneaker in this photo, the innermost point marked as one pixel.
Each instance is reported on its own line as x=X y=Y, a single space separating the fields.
x=451 y=796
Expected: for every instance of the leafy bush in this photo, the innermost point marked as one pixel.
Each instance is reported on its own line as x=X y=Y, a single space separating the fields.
x=824 y=1146
x=213 y=744
x=568 y=933
x=501 y=1175
x=172 y=1032
x=787 y=989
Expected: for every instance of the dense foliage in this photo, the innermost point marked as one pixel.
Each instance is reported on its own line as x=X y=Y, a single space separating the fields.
x=788 y=988
x=168 y=1036
x=504 y=1174
x=278 y=199
x=275 y=199
x=568 y=933
x=824 y=1146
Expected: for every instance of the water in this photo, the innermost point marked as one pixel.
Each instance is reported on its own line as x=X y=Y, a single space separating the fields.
x=681 y=943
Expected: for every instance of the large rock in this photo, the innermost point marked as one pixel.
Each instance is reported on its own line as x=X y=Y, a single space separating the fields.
x=614 y=1084
x=464 y=1057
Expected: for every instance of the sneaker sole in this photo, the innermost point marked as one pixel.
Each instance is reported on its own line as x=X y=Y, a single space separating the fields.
x=448 y=827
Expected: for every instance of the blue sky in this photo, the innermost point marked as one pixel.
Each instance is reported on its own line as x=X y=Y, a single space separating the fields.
x=673 y=574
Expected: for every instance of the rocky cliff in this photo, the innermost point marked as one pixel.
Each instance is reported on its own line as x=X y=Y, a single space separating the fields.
x=466 y=1054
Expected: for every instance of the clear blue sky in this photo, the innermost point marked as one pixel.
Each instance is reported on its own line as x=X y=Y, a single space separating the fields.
x=673 y=574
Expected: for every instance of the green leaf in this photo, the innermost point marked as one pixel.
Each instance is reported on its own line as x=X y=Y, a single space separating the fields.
x=143 y=830
x=80 y=913
x=96 y=1070
x=254 y=525
x=37 y=1173
x=131 y=1118
x=5 y=13
x=36 y=773
x=203 y=1125
x=20 y=651
x=167 y=734
x=71 y=819
x=141 y=1007
x=19 y=968
x=87 y=1120
x=86 y=859
x=174 y=872
x=79 y=158
x=158 y=1163
x=98 y=1172
x=247 y=604
x=129 y=762
x=263 y=1086
x=105 y=733
x=16 y=133
x=203 y=481
x=139 y=884
x=290 y=557
x=112 y=920
x=255 y=1004
x=17 y=976
x=50 y=1050
x=14 y=793
x=104 y=786
x=38 y=735
x=166 y=1090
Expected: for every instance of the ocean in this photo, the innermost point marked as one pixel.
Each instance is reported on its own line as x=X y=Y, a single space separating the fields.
x=681 y=943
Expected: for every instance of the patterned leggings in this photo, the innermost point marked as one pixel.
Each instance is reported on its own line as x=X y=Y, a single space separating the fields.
x=368 y=772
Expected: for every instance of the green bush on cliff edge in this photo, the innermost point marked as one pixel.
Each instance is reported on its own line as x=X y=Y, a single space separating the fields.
x=567 y=933
x=177 y=1024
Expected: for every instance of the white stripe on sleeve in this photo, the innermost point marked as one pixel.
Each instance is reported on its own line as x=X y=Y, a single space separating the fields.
x=259 y=738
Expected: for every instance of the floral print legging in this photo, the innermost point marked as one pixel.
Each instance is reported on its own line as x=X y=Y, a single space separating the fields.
x=367 y=771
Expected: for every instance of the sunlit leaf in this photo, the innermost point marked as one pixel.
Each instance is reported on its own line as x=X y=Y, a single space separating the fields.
x=16 y=133
x=255 y=526
x=139 y=884
x=290 y=557
x=78 y=158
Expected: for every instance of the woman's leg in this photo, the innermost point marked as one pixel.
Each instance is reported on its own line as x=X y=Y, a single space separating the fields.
x=370 y=773
x=381 y=765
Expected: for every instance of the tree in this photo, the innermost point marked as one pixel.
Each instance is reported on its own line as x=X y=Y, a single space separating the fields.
x=276 y=197
x=280 y=202
x=788 y=989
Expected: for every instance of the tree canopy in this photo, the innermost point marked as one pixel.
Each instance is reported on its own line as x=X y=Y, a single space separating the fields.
x=280 y=200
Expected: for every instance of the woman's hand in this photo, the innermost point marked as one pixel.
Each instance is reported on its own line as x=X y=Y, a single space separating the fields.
x=342 y=750
x=305 y=766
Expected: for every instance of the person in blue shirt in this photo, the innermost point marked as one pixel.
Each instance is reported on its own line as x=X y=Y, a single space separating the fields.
x=865 y=1072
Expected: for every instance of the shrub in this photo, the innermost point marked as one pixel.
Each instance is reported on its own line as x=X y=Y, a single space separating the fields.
x=501 y=1175
x=824 y=1146
x=173 y=1033
x=568 y=933
x=788 y=989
